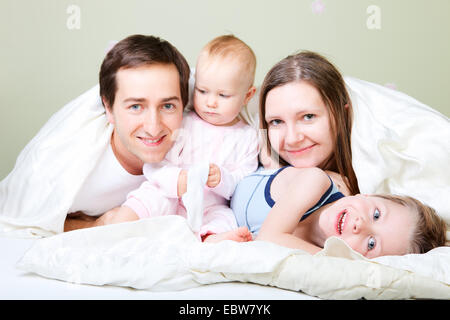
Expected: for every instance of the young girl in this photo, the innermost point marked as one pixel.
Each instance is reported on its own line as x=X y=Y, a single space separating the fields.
x=307 y=116
x=302 y=207
x=213 y=134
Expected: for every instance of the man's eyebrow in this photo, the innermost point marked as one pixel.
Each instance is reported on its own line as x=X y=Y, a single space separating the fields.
x=132 y=99
x=170 y=99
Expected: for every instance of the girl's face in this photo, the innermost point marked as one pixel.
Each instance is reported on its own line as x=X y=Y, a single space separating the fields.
x=298 y=124
x=370 y=225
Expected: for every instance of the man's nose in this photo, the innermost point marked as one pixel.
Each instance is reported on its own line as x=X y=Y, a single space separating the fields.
x=152 y=123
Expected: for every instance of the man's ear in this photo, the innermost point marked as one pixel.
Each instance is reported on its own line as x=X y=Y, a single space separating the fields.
x=108 y=111
x=250 y=93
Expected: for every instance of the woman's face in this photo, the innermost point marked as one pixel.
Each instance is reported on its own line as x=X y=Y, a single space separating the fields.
x=298 y=125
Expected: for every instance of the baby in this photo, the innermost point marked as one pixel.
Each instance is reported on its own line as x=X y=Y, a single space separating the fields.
x=215 y=149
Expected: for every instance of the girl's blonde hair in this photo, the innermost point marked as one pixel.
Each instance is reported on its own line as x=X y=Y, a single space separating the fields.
x=320 y=73
x=430 y=229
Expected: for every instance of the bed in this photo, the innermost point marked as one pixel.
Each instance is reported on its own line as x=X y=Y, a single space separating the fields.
x=161 y=259
x=17 y=284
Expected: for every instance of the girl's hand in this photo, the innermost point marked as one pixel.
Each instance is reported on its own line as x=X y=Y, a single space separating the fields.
x=213 y=176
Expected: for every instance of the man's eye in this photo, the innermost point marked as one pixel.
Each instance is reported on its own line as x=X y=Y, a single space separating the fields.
x=371 y=244
x=135 y=107
x=168 y=106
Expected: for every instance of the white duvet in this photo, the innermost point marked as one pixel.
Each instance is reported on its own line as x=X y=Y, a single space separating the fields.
x=399 y=146
x=162 y=254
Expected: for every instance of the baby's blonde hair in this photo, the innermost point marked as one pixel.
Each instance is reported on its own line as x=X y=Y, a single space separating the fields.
x=429 y=229
x=229 y=46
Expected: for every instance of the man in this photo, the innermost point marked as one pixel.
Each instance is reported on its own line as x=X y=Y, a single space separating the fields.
x=143 y=88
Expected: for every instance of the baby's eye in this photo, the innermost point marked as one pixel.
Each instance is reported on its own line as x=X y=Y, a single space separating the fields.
x=222 y=95
x=309 y=116
x=371 y=244
x=201 y=90
x=376 y=214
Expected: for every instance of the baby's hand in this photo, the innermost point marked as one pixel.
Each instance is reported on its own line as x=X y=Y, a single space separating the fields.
x=182 y=183
x=213 y=176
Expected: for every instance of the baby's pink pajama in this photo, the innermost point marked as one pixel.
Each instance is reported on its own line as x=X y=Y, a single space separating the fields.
x=234 y=149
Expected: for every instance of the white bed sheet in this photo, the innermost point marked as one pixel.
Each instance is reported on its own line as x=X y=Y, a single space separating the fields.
x=17 y=284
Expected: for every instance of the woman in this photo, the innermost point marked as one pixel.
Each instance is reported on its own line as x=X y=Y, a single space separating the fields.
x=306 y=117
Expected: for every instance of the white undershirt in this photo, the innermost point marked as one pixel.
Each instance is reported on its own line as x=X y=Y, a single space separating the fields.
x=106 y=187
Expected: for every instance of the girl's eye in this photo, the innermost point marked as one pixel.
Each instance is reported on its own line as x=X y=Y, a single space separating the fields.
x=376 y=214
x=371 y=244
x=274 y=122
x=308 y=116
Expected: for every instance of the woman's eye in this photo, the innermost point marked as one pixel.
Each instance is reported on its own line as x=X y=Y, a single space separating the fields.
x=376 y=214
x=274 y=122
x=308 y=116
x=371 y=244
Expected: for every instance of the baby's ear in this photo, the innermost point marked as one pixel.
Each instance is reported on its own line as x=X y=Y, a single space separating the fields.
x=250 y=93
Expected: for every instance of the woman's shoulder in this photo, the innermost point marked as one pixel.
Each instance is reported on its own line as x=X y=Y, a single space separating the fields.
x=299 y=176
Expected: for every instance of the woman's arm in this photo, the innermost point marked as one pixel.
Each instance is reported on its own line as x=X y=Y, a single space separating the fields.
x=303 y=191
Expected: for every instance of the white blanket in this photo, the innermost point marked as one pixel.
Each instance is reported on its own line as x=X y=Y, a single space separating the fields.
x=399 y=145
x=162 y=254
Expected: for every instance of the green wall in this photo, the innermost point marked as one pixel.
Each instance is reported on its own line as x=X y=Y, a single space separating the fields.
x=46 y=60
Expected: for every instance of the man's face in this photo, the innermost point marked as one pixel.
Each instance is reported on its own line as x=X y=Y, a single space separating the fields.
x=146 y=114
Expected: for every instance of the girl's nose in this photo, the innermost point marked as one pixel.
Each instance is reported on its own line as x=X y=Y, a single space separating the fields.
x=358 y=225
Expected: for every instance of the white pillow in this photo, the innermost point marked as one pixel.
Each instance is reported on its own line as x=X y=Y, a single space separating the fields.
x=400 y=145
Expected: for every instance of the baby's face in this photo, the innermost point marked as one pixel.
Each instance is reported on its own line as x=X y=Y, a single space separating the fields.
x=221 y=90
x=370 y=225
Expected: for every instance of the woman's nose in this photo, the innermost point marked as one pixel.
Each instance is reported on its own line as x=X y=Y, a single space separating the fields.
x=294 y=135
